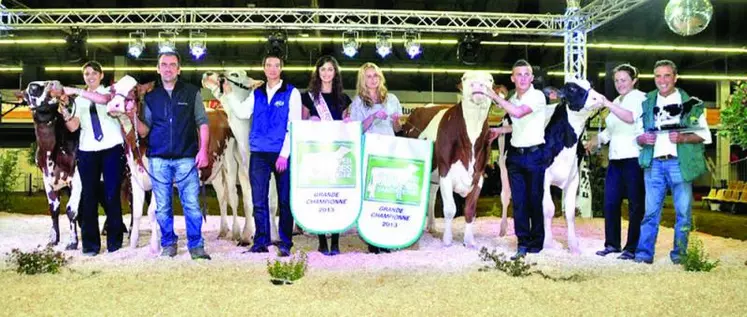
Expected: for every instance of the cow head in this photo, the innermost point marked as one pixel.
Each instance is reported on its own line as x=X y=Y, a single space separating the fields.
x=43 y=98
x=241 y=84
x=578 y=95
x=473 y=83
x=120 y=90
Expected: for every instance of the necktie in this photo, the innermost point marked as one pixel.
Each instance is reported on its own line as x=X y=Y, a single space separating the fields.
x=98 y=134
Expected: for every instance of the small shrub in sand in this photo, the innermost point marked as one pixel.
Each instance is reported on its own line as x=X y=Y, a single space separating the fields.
x=696 y=259
x=288 y=271
x=518 y=267
x=38 y=261
x=515 y=268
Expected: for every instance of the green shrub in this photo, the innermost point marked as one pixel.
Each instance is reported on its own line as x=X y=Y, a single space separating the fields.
x=515 y=268
x=9 y=175
x=290 y=270
x=38 y=261
x=696 y=259
x=734 y=116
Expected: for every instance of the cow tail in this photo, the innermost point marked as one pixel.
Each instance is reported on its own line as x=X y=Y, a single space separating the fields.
x=204 y=206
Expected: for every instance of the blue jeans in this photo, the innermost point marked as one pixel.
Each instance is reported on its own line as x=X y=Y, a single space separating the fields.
x=261 y=164
x=182 y=171
x=664 y=174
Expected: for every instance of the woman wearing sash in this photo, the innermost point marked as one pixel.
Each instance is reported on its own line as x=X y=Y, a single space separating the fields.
x=325 y=101
x=100 y=152
x=376 y=108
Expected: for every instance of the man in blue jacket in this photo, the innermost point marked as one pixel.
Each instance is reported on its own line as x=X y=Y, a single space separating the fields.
x=271 y=107
x=173 y=113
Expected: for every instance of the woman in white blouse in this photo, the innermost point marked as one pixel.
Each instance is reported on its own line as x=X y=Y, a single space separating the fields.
x=378 y=110
x=624 y=175
x=100 y=152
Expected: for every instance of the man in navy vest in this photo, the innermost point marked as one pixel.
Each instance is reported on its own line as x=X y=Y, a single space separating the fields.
x=271 y=107
x=172 y=114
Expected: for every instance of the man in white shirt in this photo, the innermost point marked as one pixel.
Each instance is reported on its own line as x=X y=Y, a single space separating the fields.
x=670 y=160
x=526 y=169
x=271 y=107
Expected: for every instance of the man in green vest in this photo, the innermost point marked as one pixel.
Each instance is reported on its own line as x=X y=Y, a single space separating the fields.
x=670 y=160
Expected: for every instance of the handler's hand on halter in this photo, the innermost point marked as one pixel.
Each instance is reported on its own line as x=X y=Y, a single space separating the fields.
x=202 y=159
x=598 y=100
x=227 y=88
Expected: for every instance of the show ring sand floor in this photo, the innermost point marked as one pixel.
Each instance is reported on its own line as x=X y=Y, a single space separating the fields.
x=427 y=279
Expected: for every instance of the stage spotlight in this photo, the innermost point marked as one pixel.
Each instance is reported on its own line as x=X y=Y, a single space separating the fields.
x=136 y=46
x=412 y=45
x=350 y=44
x=277 y=45
x=197 y=44
x=76 y=45
x=468 y=49
x=166 y=42
x=383 y=45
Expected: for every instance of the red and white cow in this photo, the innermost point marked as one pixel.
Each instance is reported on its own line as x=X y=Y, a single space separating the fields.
x=55 y=154
x=563 y=128
x=221 y=147
x=462 y=147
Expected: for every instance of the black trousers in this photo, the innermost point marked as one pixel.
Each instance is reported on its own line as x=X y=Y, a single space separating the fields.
x=91 y=165
x=526 y=175
x=624 y=179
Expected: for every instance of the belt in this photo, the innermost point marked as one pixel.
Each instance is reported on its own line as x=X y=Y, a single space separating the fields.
x=666 y=157
x=528 y=149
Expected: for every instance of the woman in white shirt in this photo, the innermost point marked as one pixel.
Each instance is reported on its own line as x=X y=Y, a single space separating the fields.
x=100 y=152
x=624 y=175
x=378 y=110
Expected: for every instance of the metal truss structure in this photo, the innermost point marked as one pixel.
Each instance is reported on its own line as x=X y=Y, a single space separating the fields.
x=599 y=12
x=278 y=18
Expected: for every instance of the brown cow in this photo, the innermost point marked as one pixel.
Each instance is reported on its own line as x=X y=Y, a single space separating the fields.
x=462 y=147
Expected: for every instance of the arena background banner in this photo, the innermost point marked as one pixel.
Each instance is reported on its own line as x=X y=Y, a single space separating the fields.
x=325 y=175
x=396 y=186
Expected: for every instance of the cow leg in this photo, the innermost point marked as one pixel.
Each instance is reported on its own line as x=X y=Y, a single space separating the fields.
x=72 y=211
x=221 y=192
x=155 y=231
x=230 y=168
x=469 y=216
x=570 y=213
x=447 y=197
x=430 y=224
x=53 y=199
x=246 y=192
x=219 y=188
x=138 y=200
x=548 y=208
x=505 y=185
x=273 y=207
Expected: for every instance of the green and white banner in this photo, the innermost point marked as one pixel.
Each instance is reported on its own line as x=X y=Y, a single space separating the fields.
x=395 y=191
x=325 y=175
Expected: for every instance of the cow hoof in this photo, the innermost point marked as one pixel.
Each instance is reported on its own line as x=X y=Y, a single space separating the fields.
x=243 y=244
x=222 y=234
x=502 y=233
x=71 y=246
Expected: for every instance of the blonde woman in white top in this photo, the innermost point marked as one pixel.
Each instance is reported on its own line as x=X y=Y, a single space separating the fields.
x=624 y=175
x=373 y=105
x=100 y=152
x=376 y=108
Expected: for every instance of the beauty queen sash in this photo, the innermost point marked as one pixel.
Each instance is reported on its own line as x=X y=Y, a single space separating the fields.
x=321 y=107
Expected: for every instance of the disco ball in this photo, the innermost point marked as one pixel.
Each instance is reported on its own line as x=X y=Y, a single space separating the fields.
x=688 y=17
